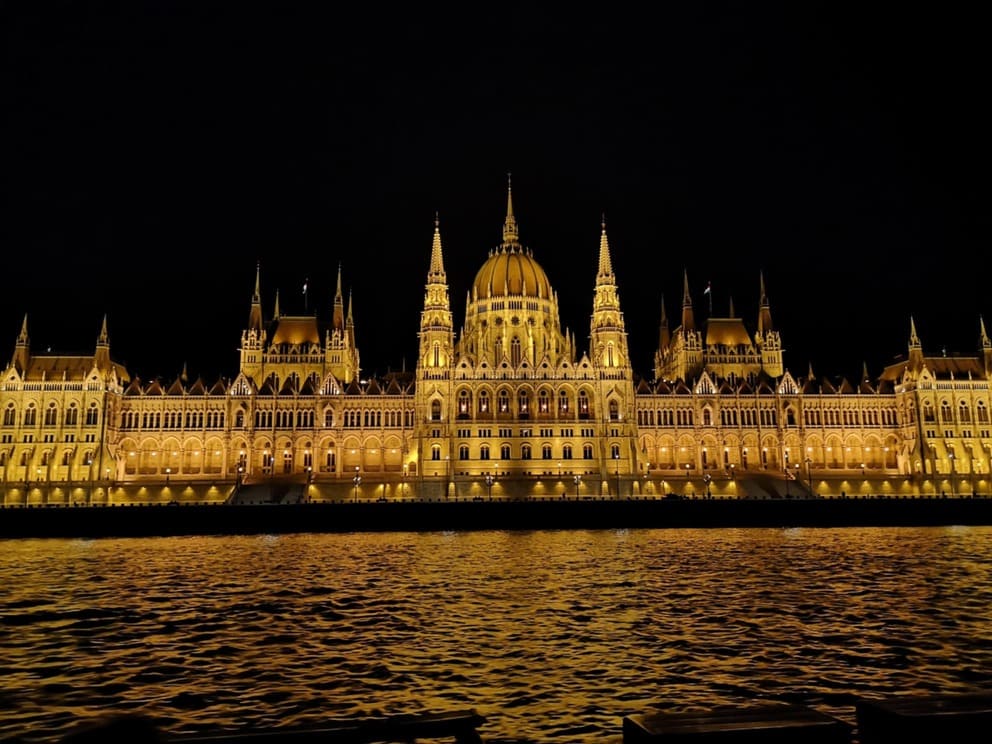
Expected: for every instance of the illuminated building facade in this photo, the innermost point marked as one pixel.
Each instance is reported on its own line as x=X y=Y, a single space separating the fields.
x=508 y=407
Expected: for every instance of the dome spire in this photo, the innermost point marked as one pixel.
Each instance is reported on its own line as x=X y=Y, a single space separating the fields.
x=511 y=236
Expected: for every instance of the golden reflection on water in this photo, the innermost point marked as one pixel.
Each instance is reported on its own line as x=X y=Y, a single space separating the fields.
x=553 y=636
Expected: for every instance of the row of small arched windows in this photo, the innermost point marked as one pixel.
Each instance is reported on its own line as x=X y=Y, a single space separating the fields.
x=51 y=415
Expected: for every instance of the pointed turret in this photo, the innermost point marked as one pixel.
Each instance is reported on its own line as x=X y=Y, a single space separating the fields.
x=607 y=334
x=764 y=309
x=22 y=350
x=688 y=321
x=986 y=346
x=341 y=351
x=767 y=339
x=915 y=348
x=437 y=337
x=436 y=271
x=275 y=309
x=605 y=273
x=337 y=321
x=664 y=335
x=253 y=337
x=731 y=313
x=101 y=357
x=255 y=315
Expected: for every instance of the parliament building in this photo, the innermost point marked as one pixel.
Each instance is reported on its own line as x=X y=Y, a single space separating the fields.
x=507 y=404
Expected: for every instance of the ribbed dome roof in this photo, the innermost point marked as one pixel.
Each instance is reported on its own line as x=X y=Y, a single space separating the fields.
x=511 y=271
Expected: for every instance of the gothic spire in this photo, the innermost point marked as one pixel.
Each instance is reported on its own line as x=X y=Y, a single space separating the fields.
x=765 y=308
x=338 y=320
x=436 y=273
x=255 y=314
x=605 y=273
x=103 y=339
x=688 y=321
x=664 y=337
x=915 y=348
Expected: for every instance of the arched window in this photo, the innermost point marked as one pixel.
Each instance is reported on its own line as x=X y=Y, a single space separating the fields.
x=945 y=412
x=464 y=404
x=9 y=415
x=483 y=401
x=504 y=401
x=964 y=413
x=614 y=411
x=546 y=452
x=583 y=404
x=504 y=452
x=463 y=452
x=562 y=402
x=615 y=451
x=72 y=415
x=329 y=418
x=586 y=451
x=542 y=402
x=435 y=410
x=92 y=415
x=30 y=415
x=51 y=415
x=523 y=403
x=484 y=452
x=436 y=452
x=515 y=352
x=566 y=452
x=525 y=452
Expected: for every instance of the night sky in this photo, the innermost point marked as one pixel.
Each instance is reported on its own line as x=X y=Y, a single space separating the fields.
x=154 y=153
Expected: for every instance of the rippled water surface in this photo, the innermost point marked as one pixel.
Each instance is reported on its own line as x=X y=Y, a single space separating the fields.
x=553 y=636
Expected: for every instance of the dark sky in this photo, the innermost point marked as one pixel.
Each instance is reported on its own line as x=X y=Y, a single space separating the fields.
x=153 y=153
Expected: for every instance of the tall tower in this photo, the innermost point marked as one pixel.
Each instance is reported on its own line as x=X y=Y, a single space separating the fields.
x=607 y=337
x=767 y=339
x=611 y=362
x=253 y=337
x=341 y=352
x=435 y=360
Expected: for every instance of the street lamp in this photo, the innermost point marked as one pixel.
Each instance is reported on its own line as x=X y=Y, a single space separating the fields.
x=578 y=479
x=706 y=479
x=306 y=495
x=168 y=472
x=559 y=471
x=809 y=475
x=950 y=455
x=89 y=496
x=490 y=479
x=357 y=480
x=616 y=459
x=687 y=476
x=447 y=475
x=406 y=472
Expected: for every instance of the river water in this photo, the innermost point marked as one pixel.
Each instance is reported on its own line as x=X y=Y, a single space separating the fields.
x=553 y=636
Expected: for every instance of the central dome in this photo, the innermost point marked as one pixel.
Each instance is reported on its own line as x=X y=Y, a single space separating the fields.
x=511 y=272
